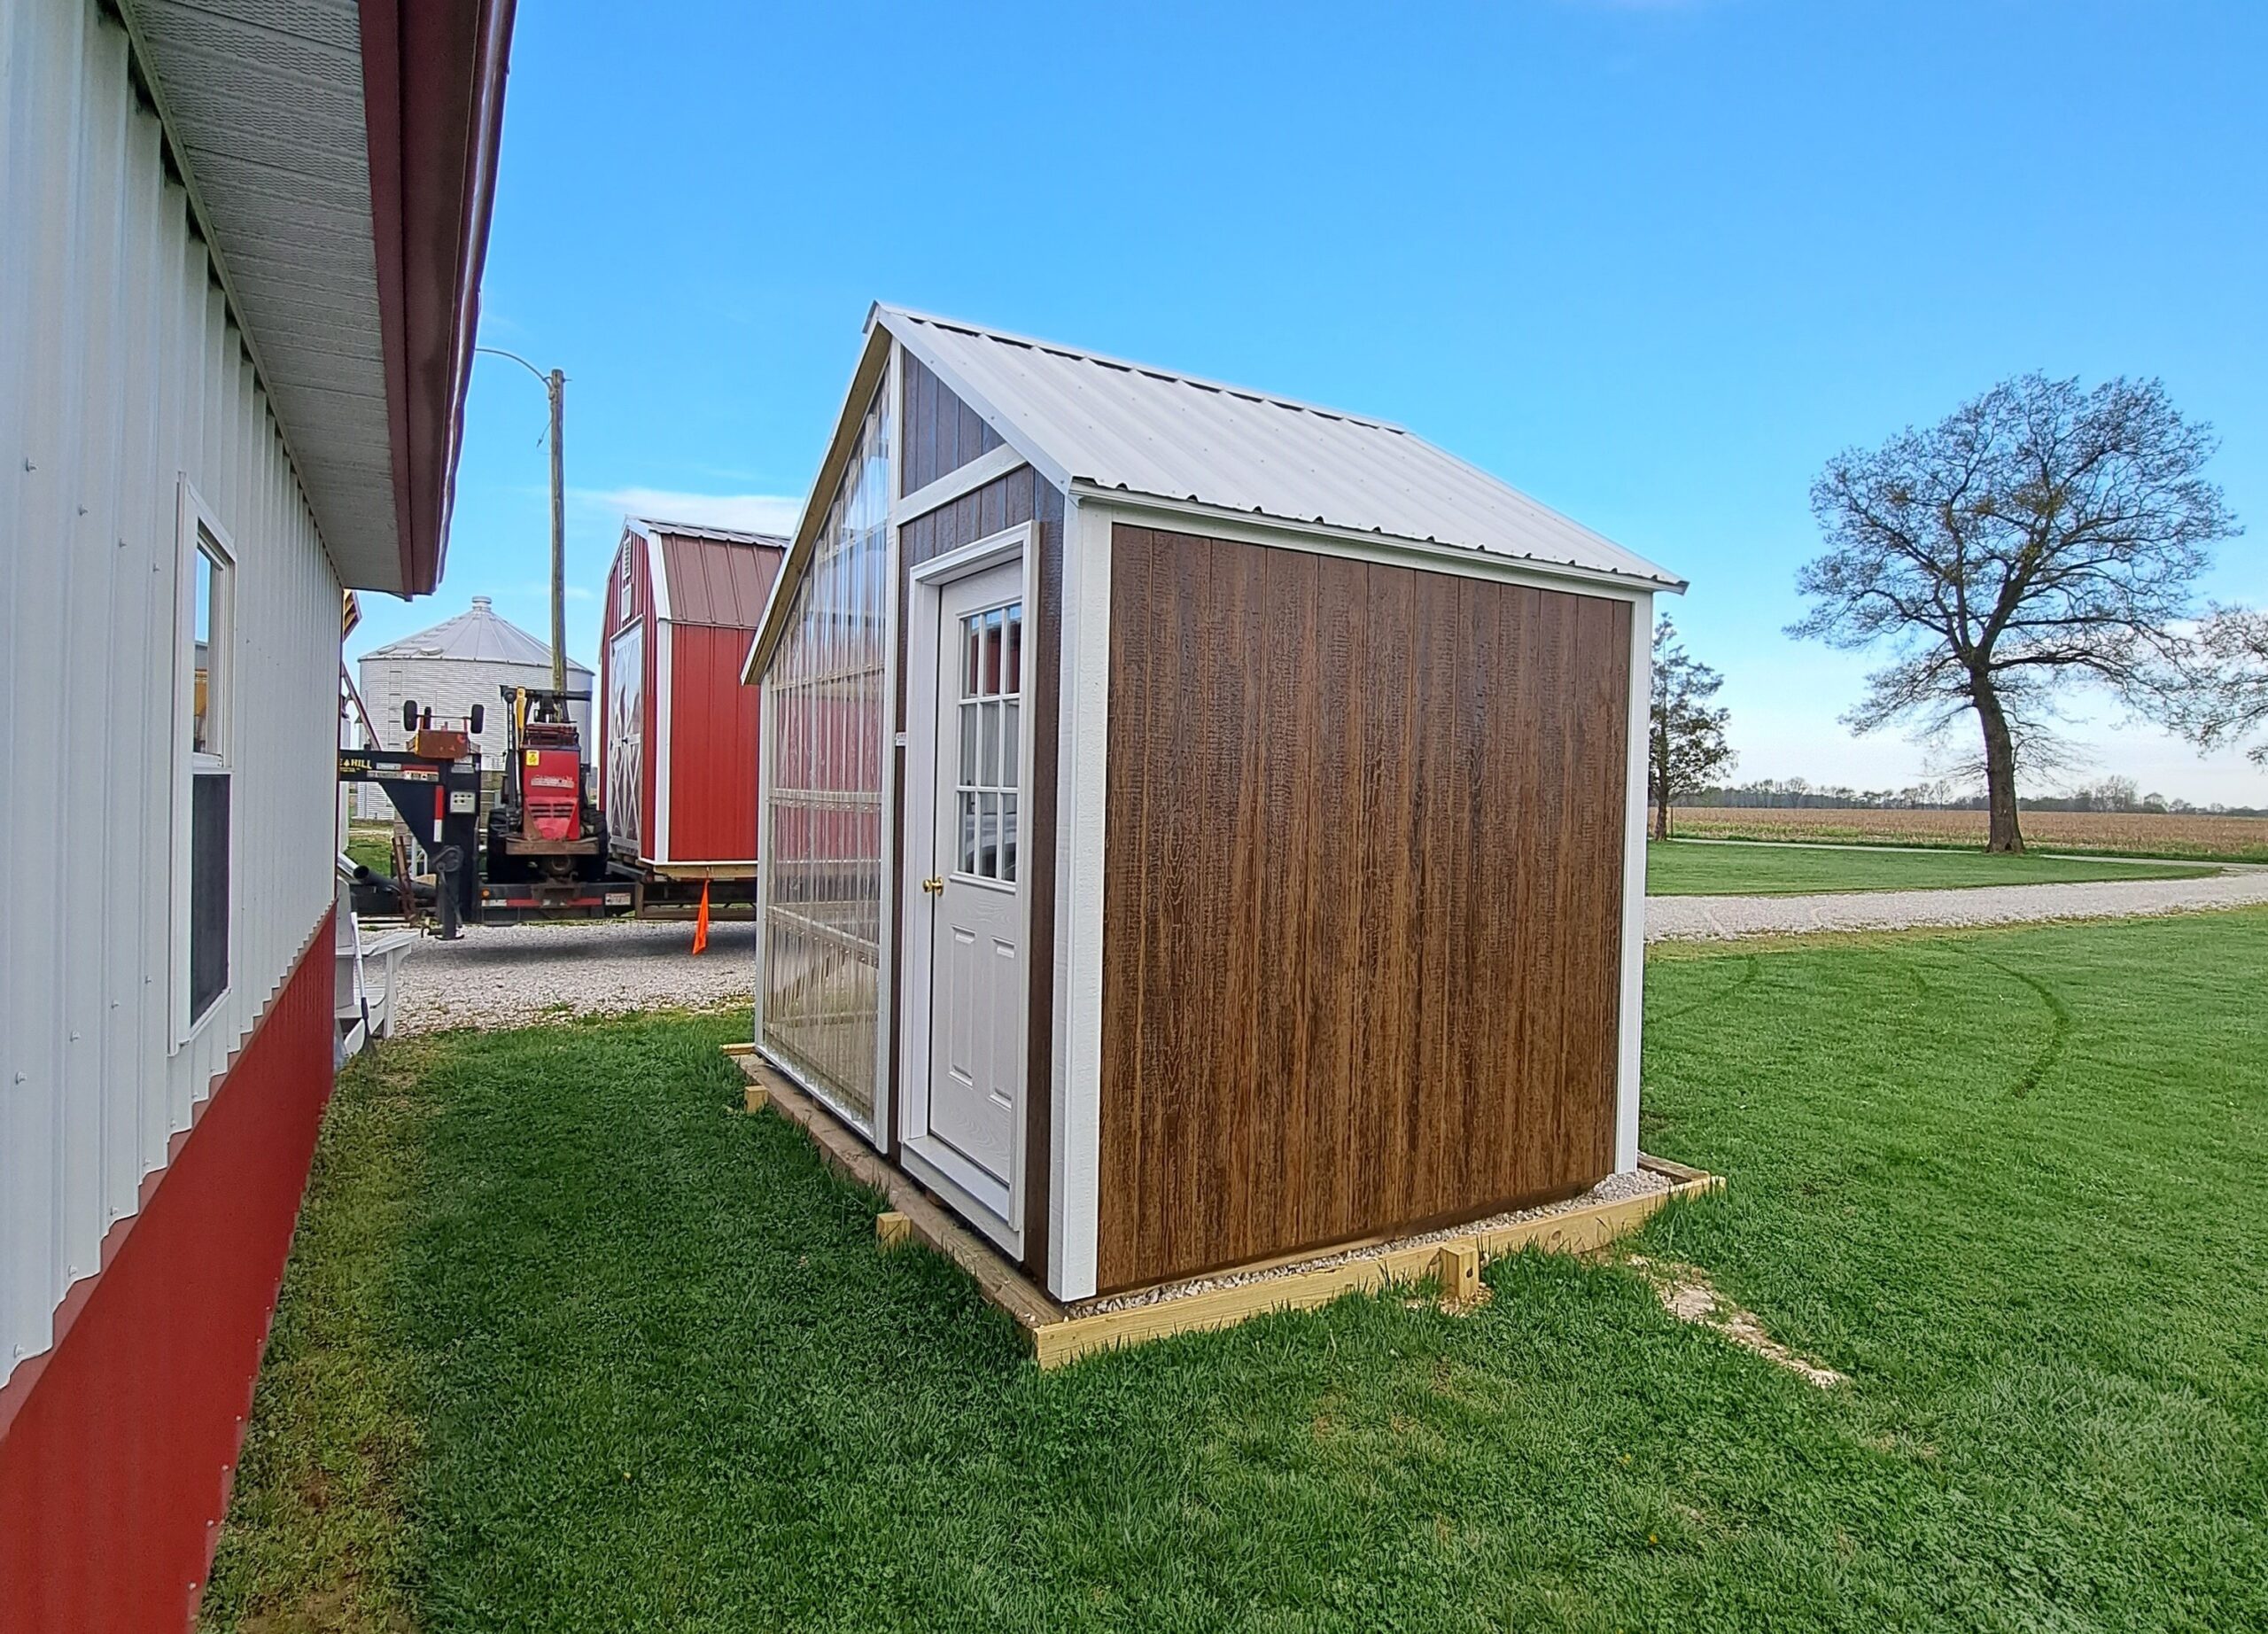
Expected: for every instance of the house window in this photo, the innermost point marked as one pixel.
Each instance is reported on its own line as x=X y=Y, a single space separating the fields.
x=992 y=684
x=206 y=679
x=207 y=569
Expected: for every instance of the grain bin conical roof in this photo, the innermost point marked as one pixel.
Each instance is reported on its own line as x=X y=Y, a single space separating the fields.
x=478 y=634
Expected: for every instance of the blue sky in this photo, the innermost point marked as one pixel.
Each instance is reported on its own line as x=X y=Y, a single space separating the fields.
x=1651 y=261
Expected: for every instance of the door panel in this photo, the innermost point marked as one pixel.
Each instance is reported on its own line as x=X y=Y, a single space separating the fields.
x=975 y=891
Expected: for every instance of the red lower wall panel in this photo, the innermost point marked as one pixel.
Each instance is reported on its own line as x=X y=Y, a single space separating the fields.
x=713 y=725
x=117 y=1446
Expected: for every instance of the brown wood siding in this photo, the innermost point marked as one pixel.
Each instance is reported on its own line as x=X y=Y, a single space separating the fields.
x=1361 y=918
x=1022 y=495
x=943 y=434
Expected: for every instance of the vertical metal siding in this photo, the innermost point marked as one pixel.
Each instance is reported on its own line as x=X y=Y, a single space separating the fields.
x=717 y=723
x=119 y=372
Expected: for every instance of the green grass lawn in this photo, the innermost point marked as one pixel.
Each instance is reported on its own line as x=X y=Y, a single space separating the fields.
x=1707 y=869
x=371 y=845
x=569 y=1343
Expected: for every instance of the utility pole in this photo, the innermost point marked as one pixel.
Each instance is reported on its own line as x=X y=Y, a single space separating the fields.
x=558 y=384
x=554 y=387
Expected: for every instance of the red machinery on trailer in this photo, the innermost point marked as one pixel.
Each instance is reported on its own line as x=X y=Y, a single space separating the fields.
x=677 y=730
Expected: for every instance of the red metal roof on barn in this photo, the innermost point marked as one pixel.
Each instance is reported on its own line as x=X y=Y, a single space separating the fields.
x=715 y=576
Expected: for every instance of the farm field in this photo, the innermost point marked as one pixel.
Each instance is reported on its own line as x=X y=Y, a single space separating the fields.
x=2133 y=834
x=568 y=1343
x=1688 y=869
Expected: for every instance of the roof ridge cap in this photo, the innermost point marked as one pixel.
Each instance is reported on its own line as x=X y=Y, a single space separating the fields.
x=1104 y=360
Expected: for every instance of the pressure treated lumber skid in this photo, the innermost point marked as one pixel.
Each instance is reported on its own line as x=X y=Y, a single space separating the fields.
x=1057 y=1335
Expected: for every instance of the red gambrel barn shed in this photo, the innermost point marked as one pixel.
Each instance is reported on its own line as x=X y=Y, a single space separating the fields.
x=677 y=757
x=240 y=245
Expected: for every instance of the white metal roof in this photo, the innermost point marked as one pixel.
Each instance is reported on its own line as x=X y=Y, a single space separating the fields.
x=1100 y=423
x=648 y=526
x=478 y=636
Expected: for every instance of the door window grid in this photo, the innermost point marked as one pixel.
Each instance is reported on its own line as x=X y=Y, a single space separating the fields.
x=991 y=687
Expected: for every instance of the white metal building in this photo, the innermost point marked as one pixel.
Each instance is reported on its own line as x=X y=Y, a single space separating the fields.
x=238 y=248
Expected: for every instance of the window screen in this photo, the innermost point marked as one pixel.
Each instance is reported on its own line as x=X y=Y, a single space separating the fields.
x=208 y=891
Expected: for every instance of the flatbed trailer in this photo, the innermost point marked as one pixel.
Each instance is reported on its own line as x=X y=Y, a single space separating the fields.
x=437 y=796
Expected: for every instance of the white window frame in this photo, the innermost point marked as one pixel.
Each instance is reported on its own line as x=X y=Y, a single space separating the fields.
x=197 y=530
x=951 y=866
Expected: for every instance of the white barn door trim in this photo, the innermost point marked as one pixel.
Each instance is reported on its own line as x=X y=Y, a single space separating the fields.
x=997 y=1211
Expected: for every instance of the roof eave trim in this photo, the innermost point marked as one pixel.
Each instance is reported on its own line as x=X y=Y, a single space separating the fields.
x=1451 y=556
x=433 y=80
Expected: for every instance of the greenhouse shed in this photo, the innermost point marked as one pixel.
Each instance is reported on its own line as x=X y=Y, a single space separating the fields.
x=1197 y=827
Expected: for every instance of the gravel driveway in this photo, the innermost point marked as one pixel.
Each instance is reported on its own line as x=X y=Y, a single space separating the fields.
x=512 y=975
x=1696 y=919
x=504 y=975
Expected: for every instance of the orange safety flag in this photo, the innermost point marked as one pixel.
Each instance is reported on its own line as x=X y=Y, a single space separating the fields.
x=700 y=921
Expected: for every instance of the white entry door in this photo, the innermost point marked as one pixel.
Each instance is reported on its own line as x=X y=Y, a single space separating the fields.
x=973 y=894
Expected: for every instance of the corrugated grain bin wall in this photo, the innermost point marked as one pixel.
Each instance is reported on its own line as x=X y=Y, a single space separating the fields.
x=678 y=738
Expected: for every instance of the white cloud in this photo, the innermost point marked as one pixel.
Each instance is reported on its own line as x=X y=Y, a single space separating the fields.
x=754 y=513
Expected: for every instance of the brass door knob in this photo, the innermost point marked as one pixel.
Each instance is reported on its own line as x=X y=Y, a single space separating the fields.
x=933 y=885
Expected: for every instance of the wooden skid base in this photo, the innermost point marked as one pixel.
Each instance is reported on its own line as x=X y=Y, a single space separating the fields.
x=1057 y=1335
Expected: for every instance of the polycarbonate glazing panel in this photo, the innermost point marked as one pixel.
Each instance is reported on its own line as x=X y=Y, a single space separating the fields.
x=823 y=743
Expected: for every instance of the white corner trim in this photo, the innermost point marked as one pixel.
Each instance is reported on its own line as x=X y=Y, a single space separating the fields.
x=886 y=908
x=1631 y=1012
x=657 y=581
x=665 y=692
x=987 y=467
x=764 y=746
x=1075 y=1162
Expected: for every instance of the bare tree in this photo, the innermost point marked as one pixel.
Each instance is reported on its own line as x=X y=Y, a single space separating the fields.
x=2233 y=704
x=1688 y=745
x=2038 y=535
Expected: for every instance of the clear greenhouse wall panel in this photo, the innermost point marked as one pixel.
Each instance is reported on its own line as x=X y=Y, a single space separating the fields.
x=823 y=741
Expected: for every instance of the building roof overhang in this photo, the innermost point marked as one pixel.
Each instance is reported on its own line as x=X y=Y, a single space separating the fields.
x=340 y=158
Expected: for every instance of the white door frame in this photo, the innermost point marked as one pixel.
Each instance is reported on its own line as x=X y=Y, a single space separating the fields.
x=973 y=1194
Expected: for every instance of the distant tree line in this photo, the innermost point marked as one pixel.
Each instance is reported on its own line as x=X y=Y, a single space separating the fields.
x=2112 y=794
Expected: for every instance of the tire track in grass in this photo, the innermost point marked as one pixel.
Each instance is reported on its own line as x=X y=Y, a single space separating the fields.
x=1752 y=967
x=2060 y=1023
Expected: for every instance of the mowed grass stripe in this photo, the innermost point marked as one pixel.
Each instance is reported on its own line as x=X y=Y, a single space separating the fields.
x=1754 y=868
x=646 y=1367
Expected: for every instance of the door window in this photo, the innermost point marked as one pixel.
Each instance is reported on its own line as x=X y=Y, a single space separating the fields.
x=991 y=699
